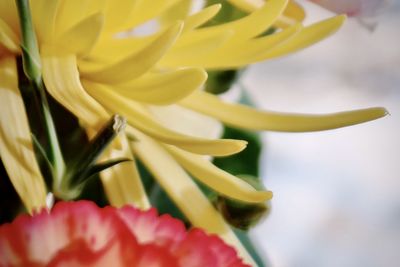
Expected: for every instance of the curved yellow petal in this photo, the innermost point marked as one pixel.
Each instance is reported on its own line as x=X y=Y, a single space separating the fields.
x=82 y=37
x=138 y=63
x=118 y=13
x=201 y=17
x=16 y=149
x=8 y=38
x=164 y=88
x=245 y=117
x=308 y=36
x=44 y=14
x=140 y=119
x=249 y=26
x=179 y=11
x=147 y=10
x=61 y=77
x=185 y=193
x=235 y=55
x=218 y=179
x=247 y=5
x=122 y=182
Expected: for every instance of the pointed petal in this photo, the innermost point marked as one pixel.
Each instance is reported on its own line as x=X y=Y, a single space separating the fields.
x=201 y=17
x=218 y=179
x=139 y=118
x=245 y=117
x=236 y=55
x=163 y=88
x=138 y=63
x=16 y=147
x=8 y=38
x=82 y=37
x=247 y=5
x=184 y=192
x=308 y=36
x=147 y=10
x=122 y=182
x=251 y=25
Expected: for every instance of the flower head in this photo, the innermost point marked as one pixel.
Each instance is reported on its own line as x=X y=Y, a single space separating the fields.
x=96 y=63
x=82 y=234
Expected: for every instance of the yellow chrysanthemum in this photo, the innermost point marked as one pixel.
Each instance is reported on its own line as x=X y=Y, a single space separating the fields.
x=95 y=68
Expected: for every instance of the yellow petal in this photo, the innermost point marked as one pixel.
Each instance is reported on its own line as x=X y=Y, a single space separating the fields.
x=218 y=179
x=139 y=118
x=253 y=24
x=147 y=10
x=16 y=148
x=138 y=63
x=71 y=12
x=44 y=14
x=293 y=12
x=82 y=37
x=249 y=118
x=61 y=77
x=118 y=13
x=201 y=17
x=122 y=182
x=247 y=5
x=308 y=36
x=187 y=121
x=9 y=14
x=236 y=55
x=165 y=87
x=179 y=11
x=185 y=193
x=8 y=38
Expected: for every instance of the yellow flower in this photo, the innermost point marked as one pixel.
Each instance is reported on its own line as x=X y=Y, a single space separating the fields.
x=95 y=68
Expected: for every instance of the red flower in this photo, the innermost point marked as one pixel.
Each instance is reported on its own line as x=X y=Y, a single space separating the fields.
x=81 y=234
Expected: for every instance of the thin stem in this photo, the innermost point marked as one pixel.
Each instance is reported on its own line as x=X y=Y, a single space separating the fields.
x=32 y=68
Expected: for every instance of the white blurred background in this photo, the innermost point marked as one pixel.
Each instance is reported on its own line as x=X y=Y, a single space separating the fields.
x=336 y=193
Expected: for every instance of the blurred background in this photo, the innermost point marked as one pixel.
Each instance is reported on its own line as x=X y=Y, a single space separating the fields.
x=336 y=193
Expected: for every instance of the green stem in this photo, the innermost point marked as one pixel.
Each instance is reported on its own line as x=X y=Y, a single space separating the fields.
x=32 y=68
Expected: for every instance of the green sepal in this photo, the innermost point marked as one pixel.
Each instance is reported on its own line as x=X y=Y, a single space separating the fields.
x=99 y=167
x=42 y=153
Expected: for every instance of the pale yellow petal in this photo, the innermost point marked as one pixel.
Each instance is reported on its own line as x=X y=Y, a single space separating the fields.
x=179 y=11
x=201 y=17
x=71 y=12
x=247 y=5
x=308 y=36
x=163 y=88
x=218 y=179
x=8 y=38
x=16 y=149
x=138 y=63
x=118 y=13
x=139 y=118
x=146 y=10
x=44 y=14
x=82 y=37
x=234 y=55
x=184 y=192
x=187 y=121
x=61 y=77
x=246 y=117
x=122 y=182
x=251 y=25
